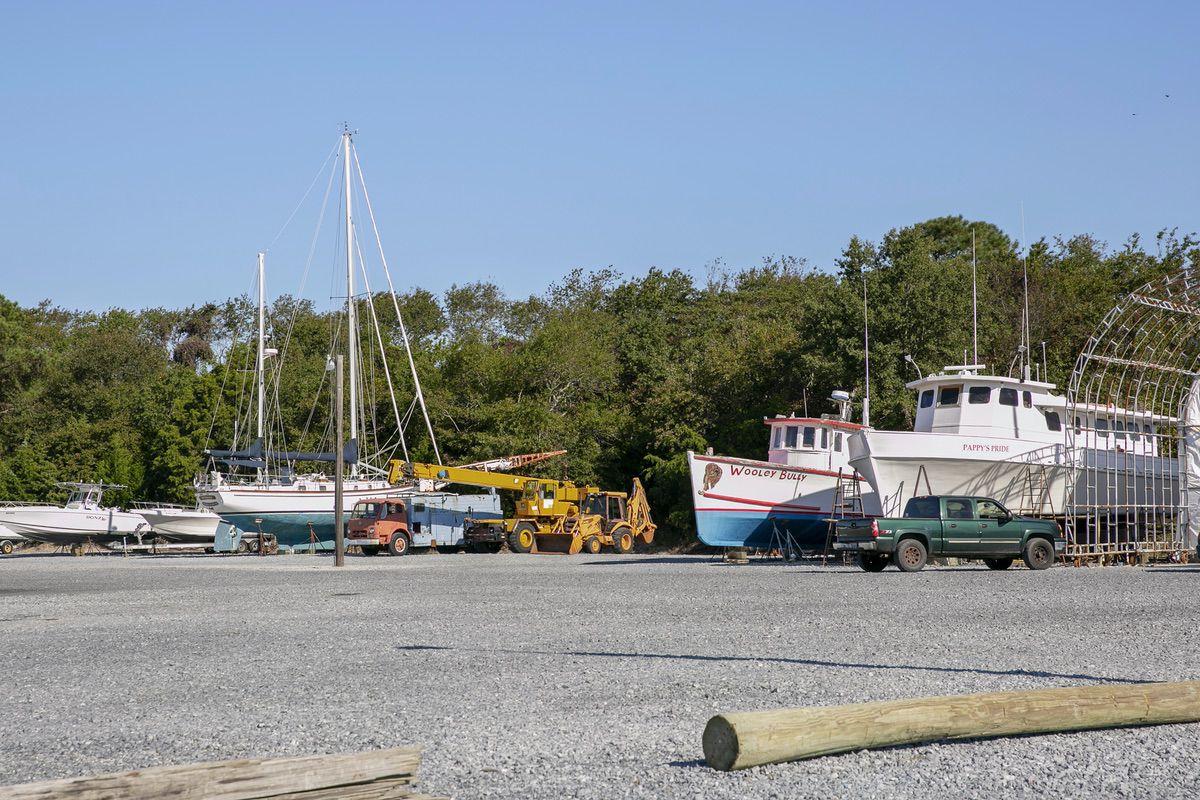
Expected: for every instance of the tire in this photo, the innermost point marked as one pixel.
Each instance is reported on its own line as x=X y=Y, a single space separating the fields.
x=398 y=546
x=242 y=547
x=622 y=540
x=872 y=562
x=592 y=545
x=6 y=547
x=911 y=555
x=1038 y=554
x=521 y=540
x=370 y=550
x=998 y=563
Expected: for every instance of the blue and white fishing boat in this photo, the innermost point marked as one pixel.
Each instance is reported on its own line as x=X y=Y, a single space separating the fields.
x=806 y=479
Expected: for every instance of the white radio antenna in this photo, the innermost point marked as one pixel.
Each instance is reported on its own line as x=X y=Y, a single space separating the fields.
x=974 y=300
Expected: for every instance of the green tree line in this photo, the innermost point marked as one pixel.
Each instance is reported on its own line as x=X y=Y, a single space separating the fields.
x=626 y=374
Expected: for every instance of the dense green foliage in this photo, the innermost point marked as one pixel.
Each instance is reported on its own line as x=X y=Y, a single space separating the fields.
x=625 y=374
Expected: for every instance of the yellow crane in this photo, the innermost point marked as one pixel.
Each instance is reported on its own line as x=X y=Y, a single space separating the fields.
x=550 y=515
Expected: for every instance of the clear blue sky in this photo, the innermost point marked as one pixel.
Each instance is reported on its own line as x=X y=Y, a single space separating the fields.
x=150 y=149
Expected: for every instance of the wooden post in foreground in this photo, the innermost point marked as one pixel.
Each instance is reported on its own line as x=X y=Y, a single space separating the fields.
x=349 y=776
x=748 y=739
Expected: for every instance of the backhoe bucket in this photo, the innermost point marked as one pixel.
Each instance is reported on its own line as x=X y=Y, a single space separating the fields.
x=559 y=542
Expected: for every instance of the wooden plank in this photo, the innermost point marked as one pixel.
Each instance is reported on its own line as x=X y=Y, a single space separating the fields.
x=245 y=779
x=740 y=740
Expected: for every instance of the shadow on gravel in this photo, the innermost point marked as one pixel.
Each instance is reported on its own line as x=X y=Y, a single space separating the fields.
x=805 y=662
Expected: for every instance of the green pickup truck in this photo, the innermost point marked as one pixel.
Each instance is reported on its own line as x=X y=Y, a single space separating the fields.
x=957 y=527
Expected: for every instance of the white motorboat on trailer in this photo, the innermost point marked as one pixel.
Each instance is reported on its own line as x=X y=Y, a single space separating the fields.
x=1006 y=438
x=181 y=524
x=82 y=519
x=806 y=479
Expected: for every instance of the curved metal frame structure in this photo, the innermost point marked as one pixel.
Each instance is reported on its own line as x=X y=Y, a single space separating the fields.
x=1129 y=431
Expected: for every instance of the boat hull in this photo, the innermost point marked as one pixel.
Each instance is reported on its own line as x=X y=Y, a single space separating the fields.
x=1026 y=476
x=66 y=526
x=183 y=526
x=742 y=502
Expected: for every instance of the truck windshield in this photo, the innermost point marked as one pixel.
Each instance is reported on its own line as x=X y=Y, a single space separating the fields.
x=364 y=510
x=922 y=508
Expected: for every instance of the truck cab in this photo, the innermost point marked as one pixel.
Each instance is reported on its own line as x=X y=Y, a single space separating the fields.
x=950 y=526
x=380 y=523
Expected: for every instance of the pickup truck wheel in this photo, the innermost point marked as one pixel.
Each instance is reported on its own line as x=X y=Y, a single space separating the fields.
x=1039 y=553
x=398 y=546
x=370 y=550
x=911 y=555
x=872 y=562
x=998 y=563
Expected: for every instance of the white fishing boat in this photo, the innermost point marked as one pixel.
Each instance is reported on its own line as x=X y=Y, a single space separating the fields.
x=81 y=520
x=182 y=524
x=806 y=479
x=1008 y=439
x=271 y=496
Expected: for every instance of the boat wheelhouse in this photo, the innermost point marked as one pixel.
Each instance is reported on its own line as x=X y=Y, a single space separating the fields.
x=1011 y=439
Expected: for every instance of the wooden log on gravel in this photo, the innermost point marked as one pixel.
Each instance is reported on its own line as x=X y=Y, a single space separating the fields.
x=372 y=775
x=748 y=739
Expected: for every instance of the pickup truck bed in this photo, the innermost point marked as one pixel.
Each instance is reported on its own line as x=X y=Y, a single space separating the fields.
x=942 y=526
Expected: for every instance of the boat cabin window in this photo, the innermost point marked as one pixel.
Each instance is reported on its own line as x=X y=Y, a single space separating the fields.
x=1052 y=421
x=927 y=398
x=837 y=441
x=418 y=508
x=949 y=395
x=824 y=438
x=1102 y=428
x=1008 y=397
x=1078 y=427
x=979 y=394
x=1134 y=430
x=810 y=436
x=778 y=436
x=791 y=435
x=1027 y=399
x=1119 y=430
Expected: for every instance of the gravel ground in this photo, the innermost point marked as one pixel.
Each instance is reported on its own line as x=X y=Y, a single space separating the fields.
x=591 y=677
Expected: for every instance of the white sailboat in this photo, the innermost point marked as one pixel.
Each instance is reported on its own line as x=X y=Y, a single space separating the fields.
x=299 y=508
x=81 y=520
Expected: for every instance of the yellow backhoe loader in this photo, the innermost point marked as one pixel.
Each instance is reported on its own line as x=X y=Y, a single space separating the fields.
x=551 y=516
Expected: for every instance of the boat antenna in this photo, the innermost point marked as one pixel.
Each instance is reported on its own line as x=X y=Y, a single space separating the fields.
x=1025 y=281
x=351 y=321
x=866 y=413
x=974 y=300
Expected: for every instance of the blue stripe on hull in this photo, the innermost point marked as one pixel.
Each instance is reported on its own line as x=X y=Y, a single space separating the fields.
x=289 y=528
x=754 y=528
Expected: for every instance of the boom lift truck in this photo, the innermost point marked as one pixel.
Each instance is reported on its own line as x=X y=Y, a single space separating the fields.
x=551 y=516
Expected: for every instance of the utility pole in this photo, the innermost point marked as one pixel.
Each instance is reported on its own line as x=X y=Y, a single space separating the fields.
x=339 y=535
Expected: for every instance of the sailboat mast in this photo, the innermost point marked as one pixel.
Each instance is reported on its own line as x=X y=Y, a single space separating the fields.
x=260 y=378
x=351 y=316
